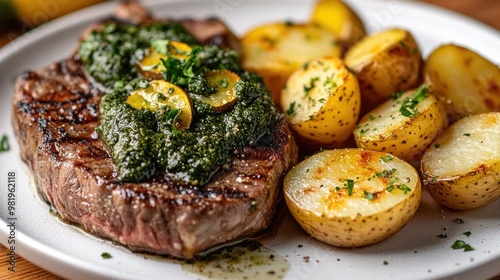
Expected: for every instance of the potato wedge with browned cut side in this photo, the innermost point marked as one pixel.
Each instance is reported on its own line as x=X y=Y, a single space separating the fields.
x=385 y=62
x=463 y=80
x=321 y=102
x=461 y=170
x=276 y=50
x=352 y=197
x=337 y=17
x=403 y=126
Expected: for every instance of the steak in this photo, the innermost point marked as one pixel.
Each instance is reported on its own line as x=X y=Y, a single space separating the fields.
x=55 y=114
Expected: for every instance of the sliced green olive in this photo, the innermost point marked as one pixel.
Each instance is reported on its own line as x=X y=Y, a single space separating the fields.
x=225 y=97
x=161 y=93
x=152 y=66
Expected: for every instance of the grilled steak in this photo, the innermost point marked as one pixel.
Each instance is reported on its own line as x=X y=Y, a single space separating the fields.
x=55 y=114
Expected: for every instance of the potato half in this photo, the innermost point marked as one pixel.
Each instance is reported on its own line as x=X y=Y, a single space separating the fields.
x=276 y=50
x=461 y=170
x=352 y=197
x=321 y=101
x=386 y=62
x=403 y=126
x=337 y=17
x=466 y=82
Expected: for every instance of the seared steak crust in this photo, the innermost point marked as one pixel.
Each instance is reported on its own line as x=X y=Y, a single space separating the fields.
x=55 y=113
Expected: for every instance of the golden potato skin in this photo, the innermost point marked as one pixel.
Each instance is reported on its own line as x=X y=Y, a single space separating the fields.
x=461 y=170
x=332 y=215
x=472 y=87
x=385 y=129
x=384 y=63
x=276 y=50
x=321 y=102
x=467 y=191
x=337 y=17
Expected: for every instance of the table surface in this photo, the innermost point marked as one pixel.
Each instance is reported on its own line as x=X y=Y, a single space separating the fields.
x=486 y=11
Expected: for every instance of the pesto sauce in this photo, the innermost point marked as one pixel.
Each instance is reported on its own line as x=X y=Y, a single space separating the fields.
x=146 y=143
x=110 y=56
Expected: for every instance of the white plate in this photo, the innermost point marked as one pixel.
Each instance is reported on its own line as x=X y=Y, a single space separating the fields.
x=413 y=253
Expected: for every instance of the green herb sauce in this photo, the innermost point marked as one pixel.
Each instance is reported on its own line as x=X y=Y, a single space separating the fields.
x=111 y=55
x=147 y=143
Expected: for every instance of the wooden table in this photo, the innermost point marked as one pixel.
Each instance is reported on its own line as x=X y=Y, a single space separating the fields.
x=487 y=11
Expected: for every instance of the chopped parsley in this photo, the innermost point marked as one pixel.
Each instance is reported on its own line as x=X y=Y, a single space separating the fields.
x=467 y=134
x=408 y=105
x=386 y=262
x=349 y=184
x=291 y=109
x=385 y=173
x=4 y=143
x=179 y=72
x=460 y=244
x=173 y=114
x=387 y=158
x=371 y=117
x=305 y=66
x=394 y=182
x=312 y=84
x=437 y=145
x=330 y=82
x=396 y=95
x=458 y=221
x=404 y=188
x=362 y=132
x=467 y=233
x=442 y=235
x=106 y=255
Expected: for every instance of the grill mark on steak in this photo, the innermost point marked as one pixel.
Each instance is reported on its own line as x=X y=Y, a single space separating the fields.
x=55 y=113
x=54 y=126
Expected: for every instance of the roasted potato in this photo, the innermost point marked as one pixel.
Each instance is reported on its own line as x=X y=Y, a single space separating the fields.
x=461 y=170
x=276 y=50
x=321 y=101
x=384 y=63
x=403 y=126
x=337 y=17
x=352 y=197
x=466 y=82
